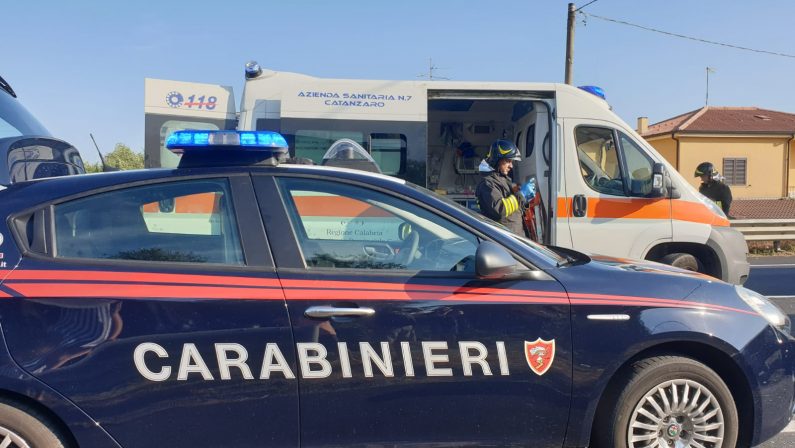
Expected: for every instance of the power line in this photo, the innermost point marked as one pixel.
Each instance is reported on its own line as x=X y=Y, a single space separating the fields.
x=682 y=36
x=583 y=6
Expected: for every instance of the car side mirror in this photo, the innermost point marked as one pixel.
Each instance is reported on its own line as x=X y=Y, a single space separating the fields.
x=492 y=261
x=658 y=181
x=32 y=157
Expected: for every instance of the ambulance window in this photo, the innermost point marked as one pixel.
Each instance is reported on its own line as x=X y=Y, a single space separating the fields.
x=530 y=140
x=599 y=162
x=389 y=152
x=639 y=166
x=313 y=144
x=189 y=221
x=342 y=226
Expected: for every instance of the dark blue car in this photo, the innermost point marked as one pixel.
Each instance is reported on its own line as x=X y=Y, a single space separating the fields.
x=236 y=302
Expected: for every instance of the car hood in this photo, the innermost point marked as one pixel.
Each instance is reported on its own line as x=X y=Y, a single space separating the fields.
x=609 y=276
x=646 y=266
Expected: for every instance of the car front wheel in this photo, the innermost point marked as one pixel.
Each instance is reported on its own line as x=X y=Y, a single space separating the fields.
x=25 y=428
x=670 y=401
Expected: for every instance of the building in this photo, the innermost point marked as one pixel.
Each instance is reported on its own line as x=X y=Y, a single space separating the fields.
x=751 y=147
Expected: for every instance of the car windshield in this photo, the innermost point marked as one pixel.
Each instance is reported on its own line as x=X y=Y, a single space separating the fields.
x=540 y=249
x=15 y=120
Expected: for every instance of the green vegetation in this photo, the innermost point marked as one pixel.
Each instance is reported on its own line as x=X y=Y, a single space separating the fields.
x=122 y=157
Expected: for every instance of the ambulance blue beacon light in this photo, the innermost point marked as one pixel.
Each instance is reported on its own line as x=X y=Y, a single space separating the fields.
x=220 y=148
x=595 y=90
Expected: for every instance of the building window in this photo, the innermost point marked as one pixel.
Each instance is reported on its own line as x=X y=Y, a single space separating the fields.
x=734 y=170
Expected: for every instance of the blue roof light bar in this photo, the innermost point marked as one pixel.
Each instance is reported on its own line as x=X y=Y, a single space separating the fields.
x=228 y=148
x=180 y=141
x=595 y=90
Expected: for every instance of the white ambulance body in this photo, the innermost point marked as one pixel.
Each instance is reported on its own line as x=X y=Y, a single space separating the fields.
x=603 y=189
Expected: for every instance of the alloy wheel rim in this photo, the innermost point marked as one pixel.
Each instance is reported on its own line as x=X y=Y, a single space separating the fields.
x=10 y=439
x=678 y=413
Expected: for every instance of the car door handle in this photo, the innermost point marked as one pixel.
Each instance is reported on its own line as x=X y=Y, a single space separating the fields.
x=579 y=205
x=322 y=312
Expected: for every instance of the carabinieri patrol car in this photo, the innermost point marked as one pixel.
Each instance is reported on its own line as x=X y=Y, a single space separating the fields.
x=237 y=302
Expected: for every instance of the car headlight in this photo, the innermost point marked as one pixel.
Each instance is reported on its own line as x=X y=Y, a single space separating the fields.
x=765 y=307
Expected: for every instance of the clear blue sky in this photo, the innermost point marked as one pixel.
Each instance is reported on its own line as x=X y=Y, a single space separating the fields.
x=80 y=66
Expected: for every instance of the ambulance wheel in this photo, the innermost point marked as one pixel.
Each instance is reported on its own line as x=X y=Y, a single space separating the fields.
x=682 y=261
x=21 y=427
x=669 y=401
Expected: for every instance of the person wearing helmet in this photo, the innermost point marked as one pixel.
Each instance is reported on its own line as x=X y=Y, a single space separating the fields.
x=713 y=187
x=495 y=194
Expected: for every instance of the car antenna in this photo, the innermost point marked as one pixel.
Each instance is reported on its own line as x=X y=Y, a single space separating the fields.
x=105 y=167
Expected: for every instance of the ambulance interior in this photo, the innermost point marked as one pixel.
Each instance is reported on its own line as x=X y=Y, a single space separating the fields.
x=460 y=132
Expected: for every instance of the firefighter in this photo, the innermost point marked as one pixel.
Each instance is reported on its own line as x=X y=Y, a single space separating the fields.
x=497 y=198
x=713 y=187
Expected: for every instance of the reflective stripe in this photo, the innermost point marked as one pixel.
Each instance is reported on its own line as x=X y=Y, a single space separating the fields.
x=645 y=208
x=511 y=205
x=54 y=284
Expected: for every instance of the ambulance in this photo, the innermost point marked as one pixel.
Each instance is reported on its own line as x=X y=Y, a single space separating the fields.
x=602 y=188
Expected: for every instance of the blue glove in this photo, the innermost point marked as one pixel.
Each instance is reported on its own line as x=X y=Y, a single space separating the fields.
x=528 y=190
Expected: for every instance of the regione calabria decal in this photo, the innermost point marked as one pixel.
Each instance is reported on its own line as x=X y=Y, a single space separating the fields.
x=539 y=354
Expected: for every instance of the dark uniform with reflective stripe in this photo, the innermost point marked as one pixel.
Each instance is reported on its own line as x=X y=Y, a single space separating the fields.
x=498 y=202
x=718 y=192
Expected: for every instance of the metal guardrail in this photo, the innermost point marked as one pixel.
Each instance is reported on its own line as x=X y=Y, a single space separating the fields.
x=765 y=229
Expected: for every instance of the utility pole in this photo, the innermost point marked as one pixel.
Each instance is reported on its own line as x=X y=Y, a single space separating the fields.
x=570 y=43
x=709 y=70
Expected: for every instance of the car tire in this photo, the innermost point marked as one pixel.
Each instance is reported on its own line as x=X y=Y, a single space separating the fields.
x=21 y=427
x=632 y=415
x=682 y=261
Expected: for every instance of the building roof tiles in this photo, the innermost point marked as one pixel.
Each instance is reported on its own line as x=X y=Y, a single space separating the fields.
x=726 y=120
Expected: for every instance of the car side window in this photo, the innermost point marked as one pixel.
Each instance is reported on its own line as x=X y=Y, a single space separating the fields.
x=599 y=162
x=343 y=226
x=639 y=166
x=188 y=221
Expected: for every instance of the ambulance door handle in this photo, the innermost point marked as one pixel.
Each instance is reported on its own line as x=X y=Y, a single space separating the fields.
x=323 y=312
x=579 y=205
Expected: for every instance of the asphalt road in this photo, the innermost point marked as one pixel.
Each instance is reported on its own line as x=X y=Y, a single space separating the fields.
x=784 y=440
x=775 y=277
x=772 y=276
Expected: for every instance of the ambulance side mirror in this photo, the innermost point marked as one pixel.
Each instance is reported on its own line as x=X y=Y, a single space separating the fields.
x=658 y=181
x=492 y=261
